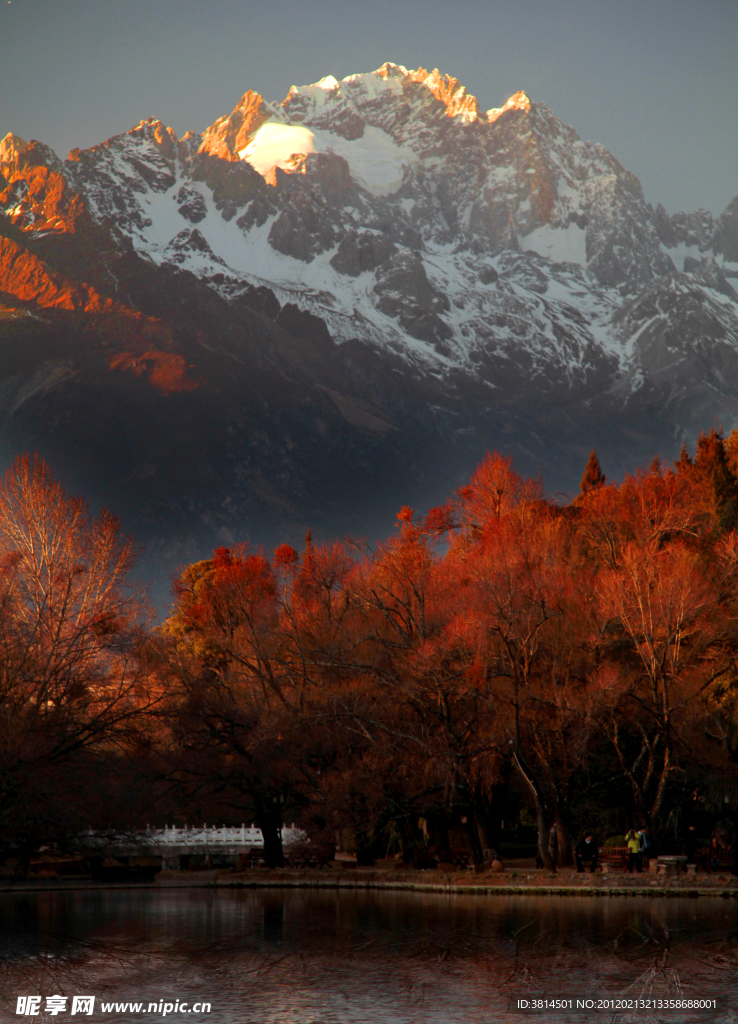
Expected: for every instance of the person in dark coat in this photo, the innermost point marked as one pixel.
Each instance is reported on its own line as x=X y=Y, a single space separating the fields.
x=645 y=846
x=586 y=849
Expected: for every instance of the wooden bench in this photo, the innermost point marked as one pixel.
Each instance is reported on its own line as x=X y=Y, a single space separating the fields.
x=612 y=857
x=304 y=857
x=725 y=864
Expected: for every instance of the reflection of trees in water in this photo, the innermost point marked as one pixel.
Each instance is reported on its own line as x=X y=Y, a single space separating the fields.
x=672 y=961
x=105 y=967
x=409 y=952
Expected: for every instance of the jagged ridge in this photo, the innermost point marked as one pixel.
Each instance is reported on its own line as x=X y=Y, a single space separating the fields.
x=386 y=221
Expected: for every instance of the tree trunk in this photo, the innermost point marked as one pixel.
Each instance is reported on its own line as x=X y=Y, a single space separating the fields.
x=486 y=832
x=563 y=841
x=658 y=799
x=364 y=853
x=367 y=841
x=369 y=838
x=269 y=816
x=471 y=834
x=541 y=816
x=543 y=831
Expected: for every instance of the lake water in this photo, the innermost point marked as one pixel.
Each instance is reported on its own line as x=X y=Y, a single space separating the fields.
x=324 y=957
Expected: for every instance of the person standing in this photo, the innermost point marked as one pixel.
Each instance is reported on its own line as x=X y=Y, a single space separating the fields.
x=634 y=848
x=586 y=849
x=644 y=847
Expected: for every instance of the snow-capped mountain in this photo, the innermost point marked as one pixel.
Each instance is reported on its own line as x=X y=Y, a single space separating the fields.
x=425 y=278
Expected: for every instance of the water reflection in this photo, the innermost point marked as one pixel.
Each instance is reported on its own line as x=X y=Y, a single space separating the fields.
x=391 y=958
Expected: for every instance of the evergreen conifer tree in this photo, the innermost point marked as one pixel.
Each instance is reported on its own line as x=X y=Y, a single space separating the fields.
x=712 y=463
x=593 y=476
x=685 y=462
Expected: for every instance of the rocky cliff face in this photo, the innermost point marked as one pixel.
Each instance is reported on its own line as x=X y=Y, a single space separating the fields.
x=334 y=304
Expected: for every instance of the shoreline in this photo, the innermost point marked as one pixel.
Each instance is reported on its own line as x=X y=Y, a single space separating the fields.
x=511 y=883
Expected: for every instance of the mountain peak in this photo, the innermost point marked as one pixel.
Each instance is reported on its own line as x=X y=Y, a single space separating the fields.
x=17 y=156
x=386 y=81
x=450 y=92
x=390 y=70
x=231 y=134
x=518 y=101
x=329 y=83
x=12 y=146
x=154 y=129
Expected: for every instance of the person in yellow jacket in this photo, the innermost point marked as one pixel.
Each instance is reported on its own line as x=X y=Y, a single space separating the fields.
x=634 y=848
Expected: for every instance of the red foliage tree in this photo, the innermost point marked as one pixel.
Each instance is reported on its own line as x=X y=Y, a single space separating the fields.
x=72 y=681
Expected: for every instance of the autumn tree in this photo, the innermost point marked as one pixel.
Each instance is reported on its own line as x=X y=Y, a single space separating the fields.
x=423 y=704
x=649 y=544
x=494 y=490
x=223 y=652
x=532 y=626
x=72 y=681
x=648 y=508
x=251 y=641
x=375 y=687
x=672 y=641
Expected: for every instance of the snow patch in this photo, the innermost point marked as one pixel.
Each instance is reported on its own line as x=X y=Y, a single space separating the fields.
x=562 y=245
x=274 y=144
x=329 y=83
x=376 y=161
x=678 y=253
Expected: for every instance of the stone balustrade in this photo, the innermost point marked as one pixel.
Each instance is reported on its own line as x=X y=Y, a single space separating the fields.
x=245 y=835
x=172 y=840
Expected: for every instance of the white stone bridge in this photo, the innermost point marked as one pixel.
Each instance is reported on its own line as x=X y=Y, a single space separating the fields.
x=175 y=847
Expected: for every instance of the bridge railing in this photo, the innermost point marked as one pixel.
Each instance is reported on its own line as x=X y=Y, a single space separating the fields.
x=246 y=835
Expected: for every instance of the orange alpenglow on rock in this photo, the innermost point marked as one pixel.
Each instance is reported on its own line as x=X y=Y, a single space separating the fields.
x=518 y=101
x=31 y=280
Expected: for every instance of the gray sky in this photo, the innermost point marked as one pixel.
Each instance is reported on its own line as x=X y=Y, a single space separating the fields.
x=656 y=81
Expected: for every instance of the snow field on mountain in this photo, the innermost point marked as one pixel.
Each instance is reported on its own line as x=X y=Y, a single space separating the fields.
x=274 y=144
x=376 y=161
x=562 y=245
x=244 y=254
x=678 y=253
x=517 y=192
x=346 y=304
x=369 y=85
